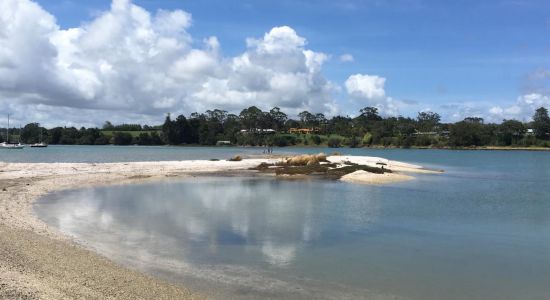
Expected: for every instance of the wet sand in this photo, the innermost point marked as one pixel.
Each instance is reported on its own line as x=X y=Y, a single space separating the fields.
x=38 y=262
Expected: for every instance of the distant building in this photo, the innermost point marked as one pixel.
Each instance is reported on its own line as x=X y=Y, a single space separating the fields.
x=303 y=130
x=258 y=130
x=443 y=133
x=425 y=133
x=223 y=143
x=530 y=132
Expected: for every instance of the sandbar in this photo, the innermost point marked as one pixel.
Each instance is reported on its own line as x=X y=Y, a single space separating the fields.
x=38 y=262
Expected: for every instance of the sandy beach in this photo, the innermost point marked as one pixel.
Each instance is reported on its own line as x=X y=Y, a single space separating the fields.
x=38 y=262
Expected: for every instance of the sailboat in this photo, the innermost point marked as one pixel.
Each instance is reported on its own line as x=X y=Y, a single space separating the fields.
x=6 y=144
x=40 y=144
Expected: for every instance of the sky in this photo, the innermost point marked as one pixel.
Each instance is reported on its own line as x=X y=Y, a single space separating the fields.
x=80 y=63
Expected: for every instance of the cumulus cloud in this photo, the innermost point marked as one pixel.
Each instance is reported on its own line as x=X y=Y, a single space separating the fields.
x=346 y=58
x=128 y=63
x=523 y=109
x=274 y=70
x=369 y=87
x=458 y=111
x=368 y=90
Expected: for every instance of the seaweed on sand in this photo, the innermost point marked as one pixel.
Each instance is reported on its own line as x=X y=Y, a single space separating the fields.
x=310 y=165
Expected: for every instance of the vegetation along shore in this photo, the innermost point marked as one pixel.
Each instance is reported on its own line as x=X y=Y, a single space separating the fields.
x=254 y=127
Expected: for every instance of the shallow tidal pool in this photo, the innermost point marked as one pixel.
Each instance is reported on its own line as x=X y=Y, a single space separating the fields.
x=461 y=235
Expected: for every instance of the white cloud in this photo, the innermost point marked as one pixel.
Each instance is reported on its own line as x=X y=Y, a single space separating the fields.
x=454 y=112
x=128 y=63
x=274 y=70
x=522 y=110
x=369 y=87
x=368 y=90
x=346 y=58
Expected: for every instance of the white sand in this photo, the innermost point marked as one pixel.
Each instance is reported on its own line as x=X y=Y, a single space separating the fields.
x=364 y=177
x=372 y=161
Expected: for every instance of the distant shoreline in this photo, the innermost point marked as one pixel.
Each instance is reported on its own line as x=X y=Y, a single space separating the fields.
x=479 y=148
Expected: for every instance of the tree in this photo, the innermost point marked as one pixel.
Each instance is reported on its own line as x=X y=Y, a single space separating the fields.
x=182 y=130
x=541 y=123
x=250 y=117
x=279 y=118
x=155 y=138
x=216 y=115
x=69 y=136
x=370 y=113
x=427 y=120
x=334 y=141
x=290 y=123
x=195 y=121
x=55 y=135
x=320 y=119
x=169 y=131
x=144 y=139
x=510 y=132
x=231 y=127
x=89 y=136
x=465 y=134
x=306 y=118
x=475 y=120
x=340 y=125
x=122 y=138
x=30 y=133
x=265 y=121
x=108 y=126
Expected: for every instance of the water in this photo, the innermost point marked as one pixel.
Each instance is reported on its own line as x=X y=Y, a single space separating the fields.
x=479 y=231
x=106 y=154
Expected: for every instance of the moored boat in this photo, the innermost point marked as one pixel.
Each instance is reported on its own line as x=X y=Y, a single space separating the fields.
x=11 y=146
x=39 y=145
x=7 y=145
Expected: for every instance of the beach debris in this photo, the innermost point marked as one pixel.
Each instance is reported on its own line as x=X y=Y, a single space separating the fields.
x=236 y=158
x=315 y=164
x=381 y=164
x=306 y=159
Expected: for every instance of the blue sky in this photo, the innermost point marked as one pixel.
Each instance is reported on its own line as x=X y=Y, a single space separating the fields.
x=434 y=54
x=429 y=50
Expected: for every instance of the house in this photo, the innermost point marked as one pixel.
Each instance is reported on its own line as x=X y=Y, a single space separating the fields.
x=304 y=130
x=443 y=133
x=259 y=131
x=223 y=143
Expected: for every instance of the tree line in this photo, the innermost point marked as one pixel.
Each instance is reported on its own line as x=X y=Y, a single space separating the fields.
x=255 y=127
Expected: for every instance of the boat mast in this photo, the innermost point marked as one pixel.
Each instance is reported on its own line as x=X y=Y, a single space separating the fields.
x=8 y=131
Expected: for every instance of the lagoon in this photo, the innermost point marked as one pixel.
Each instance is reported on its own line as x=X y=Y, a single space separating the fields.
x=479 y=231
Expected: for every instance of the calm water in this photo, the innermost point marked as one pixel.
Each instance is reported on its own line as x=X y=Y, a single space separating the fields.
x=98 y=154
x=479 y=231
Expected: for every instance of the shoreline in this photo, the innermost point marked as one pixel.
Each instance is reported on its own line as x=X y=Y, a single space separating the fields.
x=374 y=147
x=38 y=261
